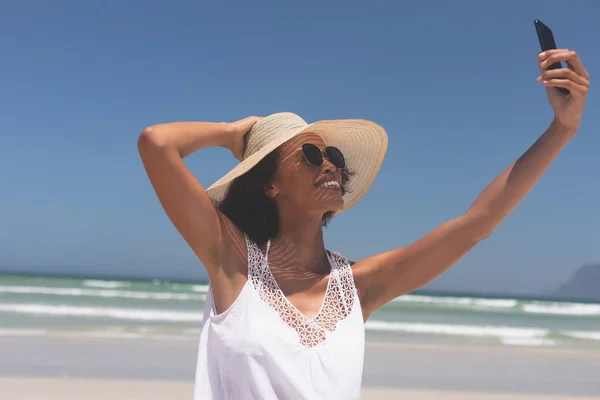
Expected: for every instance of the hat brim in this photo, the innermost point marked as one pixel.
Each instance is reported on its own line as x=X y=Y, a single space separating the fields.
x=363 y=143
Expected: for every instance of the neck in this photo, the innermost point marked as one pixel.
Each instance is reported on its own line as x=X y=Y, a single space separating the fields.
x=300 y=242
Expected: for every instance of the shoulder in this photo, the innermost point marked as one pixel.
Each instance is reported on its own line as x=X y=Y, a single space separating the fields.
x=335 y=256
x=341 y=263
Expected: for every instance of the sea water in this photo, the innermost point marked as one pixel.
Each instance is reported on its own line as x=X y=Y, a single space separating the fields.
x=124 y=309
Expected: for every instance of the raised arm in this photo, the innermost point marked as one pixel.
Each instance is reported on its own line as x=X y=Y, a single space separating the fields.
x=385 y=276
x=162 y=149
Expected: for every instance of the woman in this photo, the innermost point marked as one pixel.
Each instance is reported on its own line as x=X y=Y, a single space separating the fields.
x=284 y=317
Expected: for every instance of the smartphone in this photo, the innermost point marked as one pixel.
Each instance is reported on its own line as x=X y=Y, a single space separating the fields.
x=547 y=42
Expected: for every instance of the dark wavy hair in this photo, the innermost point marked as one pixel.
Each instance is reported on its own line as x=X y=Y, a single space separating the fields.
x=251 y=210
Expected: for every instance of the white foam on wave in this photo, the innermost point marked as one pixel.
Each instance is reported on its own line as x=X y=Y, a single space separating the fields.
x=97 y=312
x=528 y=342
x=100 y=293
x=200 y=288
x=22 y=332
x=530 y=307
x=580 y=309
x=459 y=301
x=106 y=284
x=107 y=334
x=458 y=330
x=585 y=335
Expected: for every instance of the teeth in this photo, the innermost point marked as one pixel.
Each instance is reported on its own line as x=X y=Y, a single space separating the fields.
x=329 y=184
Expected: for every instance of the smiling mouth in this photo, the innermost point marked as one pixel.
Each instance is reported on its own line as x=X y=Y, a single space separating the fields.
x=329 y=185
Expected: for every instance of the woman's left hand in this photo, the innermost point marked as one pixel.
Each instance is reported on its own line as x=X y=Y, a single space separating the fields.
x=568 y=109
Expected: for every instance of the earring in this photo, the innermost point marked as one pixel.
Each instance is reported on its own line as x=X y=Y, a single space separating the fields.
x=269 y=190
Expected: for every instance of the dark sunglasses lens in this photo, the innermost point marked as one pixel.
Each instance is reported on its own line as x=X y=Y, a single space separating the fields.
x=335 y=156
x=312 y=154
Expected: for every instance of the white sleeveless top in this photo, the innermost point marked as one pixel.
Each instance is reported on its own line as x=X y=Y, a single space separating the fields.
x=263 y=348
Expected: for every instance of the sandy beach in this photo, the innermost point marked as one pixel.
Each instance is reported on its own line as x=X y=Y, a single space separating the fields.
x=93 y=368
x=90 y=389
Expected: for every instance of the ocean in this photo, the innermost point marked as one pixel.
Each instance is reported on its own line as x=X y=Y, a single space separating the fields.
x=162 y=310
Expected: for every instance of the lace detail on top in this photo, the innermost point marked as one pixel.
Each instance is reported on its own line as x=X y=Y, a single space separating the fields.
x=337 y=303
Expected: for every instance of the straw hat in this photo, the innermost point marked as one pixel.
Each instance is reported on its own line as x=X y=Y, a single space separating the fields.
x=362 y=142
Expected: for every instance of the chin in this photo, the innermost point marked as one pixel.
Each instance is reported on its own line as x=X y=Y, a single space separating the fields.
x=324 y=201
x=332 y=204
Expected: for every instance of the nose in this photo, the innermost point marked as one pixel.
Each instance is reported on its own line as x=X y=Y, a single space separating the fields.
x=327 y=166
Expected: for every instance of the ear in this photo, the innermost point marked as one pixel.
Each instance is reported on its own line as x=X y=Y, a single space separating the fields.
x=271 y=190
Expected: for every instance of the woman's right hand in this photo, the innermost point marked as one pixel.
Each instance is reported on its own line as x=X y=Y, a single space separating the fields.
x=239 y=130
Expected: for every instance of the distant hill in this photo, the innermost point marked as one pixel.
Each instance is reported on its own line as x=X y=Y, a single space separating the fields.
x=584 y=284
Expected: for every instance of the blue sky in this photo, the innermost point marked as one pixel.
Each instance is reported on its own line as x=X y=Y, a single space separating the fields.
x=452 y=82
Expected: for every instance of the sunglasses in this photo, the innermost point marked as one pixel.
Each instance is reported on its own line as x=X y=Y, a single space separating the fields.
x=314 y=155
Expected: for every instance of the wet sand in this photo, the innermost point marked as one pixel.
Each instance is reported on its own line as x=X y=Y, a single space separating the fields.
x=75 y=368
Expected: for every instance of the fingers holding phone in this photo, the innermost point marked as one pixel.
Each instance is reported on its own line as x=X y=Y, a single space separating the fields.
x=568 y=109
x=573 y=77
x=569 y=57
x=566 y=87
